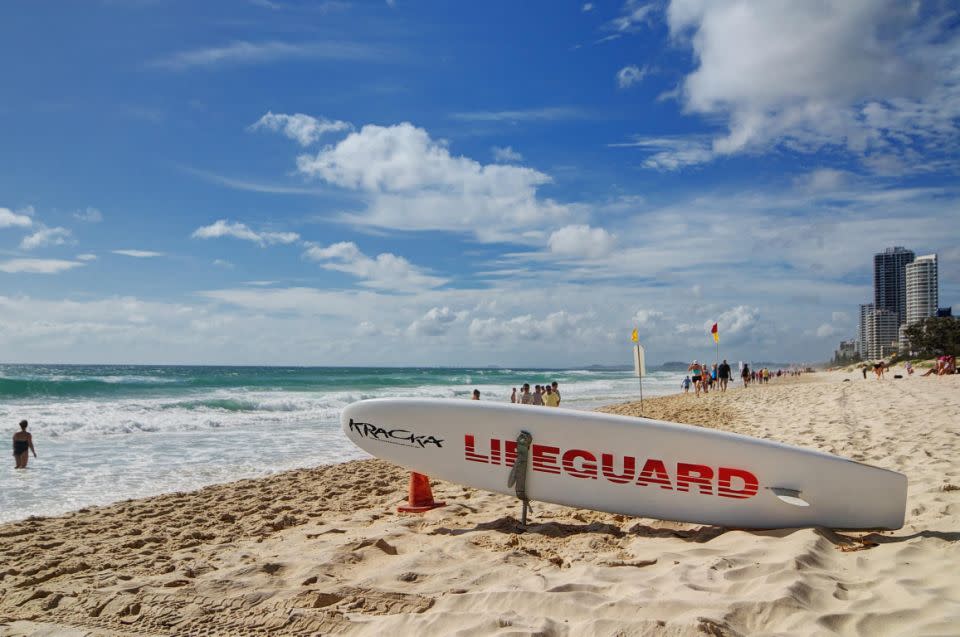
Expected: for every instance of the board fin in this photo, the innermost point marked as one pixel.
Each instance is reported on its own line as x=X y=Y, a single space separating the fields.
x=790 y=496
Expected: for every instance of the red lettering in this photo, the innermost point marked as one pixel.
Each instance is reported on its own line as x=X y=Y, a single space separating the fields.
x=698 y=474
x=629 y=469
x=510 y=453
x=494 y=451
x=725 y=487
x=545 y=458
x=588 y=469
x=470 y=450
x=654 y=472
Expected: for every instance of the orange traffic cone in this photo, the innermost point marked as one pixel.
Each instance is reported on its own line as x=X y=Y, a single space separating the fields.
x=421 y=497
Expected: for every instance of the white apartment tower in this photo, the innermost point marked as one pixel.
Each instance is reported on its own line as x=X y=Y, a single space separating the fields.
x=922 y=284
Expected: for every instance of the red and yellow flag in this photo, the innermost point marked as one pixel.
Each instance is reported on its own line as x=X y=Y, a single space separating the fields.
x=716 y=333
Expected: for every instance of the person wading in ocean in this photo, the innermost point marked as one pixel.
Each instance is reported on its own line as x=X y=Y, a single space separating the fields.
x=22 y=444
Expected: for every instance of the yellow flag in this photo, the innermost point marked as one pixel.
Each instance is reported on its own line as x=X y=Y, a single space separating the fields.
x=634 y=337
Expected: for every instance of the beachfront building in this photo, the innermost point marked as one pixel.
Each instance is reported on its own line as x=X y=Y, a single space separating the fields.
x=922 y=288
x=846 y=353
x=890 y=281
x=882 y=331
x=863 y=345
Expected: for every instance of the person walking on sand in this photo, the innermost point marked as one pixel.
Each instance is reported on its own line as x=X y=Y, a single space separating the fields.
x=863 y=368
x=550 y=399
x=513 y=396
x=22 y=444
x=723 y=375
x=537 y=397
x=685 y=384
x=696 y=372
x=745 y=374
x=556 y=390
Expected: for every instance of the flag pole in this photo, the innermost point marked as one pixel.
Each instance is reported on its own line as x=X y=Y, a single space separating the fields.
x=640 y=375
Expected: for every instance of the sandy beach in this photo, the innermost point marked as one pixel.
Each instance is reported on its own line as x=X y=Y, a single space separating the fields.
x=323 y=550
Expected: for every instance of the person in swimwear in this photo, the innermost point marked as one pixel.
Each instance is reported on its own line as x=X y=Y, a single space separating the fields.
x=695 y=370
x=22 y=443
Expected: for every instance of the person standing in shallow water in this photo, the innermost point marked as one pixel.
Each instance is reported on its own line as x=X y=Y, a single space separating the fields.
x=22 y=445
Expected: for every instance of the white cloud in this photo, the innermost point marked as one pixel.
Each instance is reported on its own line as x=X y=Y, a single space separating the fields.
x=506 y=154
x=671 y=153
x=263 y=52
x=45 y=237
x=873 y=77
x=633 y=15
x=823 y=180
x=581 y=241
x=37 y=266
x=304 y=129
x=587 y=7
x=221 y=263
x=646 y=319
x=237 y=230
x=556 y=326
x=90 y=215
x=826 y=330
x=86 y=257
x=839 y=317
x=139 y=254
x=413 y=182
x=630 y=75
x=549 y=113
x=437 y=321
x=387 y=271
x=11 y=219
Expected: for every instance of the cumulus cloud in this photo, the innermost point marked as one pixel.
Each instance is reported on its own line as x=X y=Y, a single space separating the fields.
x=647 y=318
x=90 y=215
x=138 y=254
x=826 y=330
x=630 y=75
x=436 y=321
x=875 y=78
x=413 y=182
x=224 y=228
x=506 y=154
x=37 y=266
x=45 y=237
x=556 y=325
x=11 y=219
x=304 y=129
x=386 y=271
x=581 y=241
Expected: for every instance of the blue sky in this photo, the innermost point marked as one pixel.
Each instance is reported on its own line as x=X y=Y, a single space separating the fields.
x=443 y=183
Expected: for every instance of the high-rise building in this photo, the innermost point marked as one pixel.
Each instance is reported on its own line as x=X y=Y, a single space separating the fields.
x=922 y=288
x=882 y=333
x=863 y=344
x=890 y=281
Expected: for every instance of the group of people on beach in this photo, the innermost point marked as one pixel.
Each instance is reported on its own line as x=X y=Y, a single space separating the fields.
x=704 y=379
x=542 y=395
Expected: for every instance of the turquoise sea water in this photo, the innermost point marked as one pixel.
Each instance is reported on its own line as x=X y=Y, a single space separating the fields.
x=107 y=433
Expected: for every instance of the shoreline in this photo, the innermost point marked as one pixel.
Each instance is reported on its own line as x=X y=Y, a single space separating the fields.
x=323 y=550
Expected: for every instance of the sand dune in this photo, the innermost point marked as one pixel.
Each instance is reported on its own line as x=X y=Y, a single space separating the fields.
x=323 y=550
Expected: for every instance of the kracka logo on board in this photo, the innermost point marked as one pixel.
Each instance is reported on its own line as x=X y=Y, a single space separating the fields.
x=402 y=437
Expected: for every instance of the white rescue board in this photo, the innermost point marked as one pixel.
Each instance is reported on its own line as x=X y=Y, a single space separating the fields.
x=627 y=465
